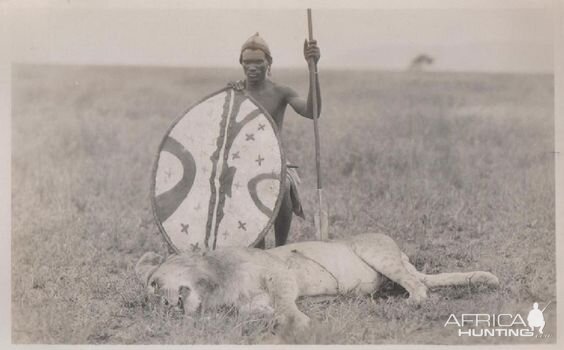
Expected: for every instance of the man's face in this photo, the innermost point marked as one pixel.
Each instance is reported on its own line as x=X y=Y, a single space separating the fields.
x=255 y=65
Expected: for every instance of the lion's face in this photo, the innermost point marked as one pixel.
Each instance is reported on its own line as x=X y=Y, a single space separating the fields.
x=179 y=282
x=174 y=288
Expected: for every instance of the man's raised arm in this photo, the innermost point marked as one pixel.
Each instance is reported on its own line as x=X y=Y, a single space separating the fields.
x=311 y=51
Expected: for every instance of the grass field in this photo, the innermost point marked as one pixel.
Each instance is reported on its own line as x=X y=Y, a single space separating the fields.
x=458 y=168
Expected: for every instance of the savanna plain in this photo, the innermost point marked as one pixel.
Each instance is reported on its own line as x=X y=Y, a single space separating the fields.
x=457 y=167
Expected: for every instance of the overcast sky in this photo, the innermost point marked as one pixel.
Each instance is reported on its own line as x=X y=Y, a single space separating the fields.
x=468 y=39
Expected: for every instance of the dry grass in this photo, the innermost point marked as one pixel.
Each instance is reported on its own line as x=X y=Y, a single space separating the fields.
x=456 y=167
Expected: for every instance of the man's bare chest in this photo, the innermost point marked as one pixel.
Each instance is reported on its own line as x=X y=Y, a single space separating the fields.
x=273 y=101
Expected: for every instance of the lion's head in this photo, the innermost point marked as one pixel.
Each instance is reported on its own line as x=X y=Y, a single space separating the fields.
x=183 y=282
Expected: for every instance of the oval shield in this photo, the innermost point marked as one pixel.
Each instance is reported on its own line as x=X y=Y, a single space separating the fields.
x=217 y=180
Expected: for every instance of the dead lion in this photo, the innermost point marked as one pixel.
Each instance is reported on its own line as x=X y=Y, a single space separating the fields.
x=270 y=281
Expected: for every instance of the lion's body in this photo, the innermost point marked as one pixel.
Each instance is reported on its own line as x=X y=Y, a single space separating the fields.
x=327 y=268
x=272 y=280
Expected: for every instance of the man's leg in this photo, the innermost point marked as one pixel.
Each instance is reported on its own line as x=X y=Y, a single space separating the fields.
x=282 y=223
x=283 y=220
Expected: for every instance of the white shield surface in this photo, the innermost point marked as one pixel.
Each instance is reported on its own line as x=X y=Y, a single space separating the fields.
x=218 y=176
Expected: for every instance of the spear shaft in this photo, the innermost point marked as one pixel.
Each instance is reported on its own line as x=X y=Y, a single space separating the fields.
x=320 y=217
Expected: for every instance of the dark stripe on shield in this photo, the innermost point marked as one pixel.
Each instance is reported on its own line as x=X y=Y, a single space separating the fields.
x=215 y=161
x=250 y=117
x=227 y=172
x=169 y=201
x=252 y=186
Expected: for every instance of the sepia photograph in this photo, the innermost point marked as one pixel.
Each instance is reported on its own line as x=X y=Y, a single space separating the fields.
x=307 y=173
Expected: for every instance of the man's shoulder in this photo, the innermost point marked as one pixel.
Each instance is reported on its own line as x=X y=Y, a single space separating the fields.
x=283 y=89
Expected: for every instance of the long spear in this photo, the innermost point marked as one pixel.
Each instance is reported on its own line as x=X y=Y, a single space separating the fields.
x=320 y=216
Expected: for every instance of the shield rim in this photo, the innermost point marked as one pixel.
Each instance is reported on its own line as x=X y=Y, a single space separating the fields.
x=281 y=194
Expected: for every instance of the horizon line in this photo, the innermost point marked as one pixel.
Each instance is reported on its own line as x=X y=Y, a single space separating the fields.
x=331 y=68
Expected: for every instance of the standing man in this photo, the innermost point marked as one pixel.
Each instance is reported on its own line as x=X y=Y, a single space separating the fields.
x=256 y=61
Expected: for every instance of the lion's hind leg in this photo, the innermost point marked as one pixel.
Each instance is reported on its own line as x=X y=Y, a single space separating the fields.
x=453 y=278
x=382 y=254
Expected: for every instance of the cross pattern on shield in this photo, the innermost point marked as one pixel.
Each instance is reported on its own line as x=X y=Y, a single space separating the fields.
x=218 y=177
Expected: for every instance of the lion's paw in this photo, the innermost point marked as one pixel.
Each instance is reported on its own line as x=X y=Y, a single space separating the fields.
x=418 y=296
x=301 y=321
x=482 y=277
x=295 y=321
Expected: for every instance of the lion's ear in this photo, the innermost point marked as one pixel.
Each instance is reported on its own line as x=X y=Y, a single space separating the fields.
x=148 y=263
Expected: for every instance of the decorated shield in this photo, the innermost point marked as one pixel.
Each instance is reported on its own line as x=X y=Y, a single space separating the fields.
x=217 y=180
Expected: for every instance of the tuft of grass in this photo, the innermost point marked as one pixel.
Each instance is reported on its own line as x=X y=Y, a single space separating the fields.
x=457 y=168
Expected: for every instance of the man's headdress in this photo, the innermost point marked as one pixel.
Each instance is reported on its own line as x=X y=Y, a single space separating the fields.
x=255 y=42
